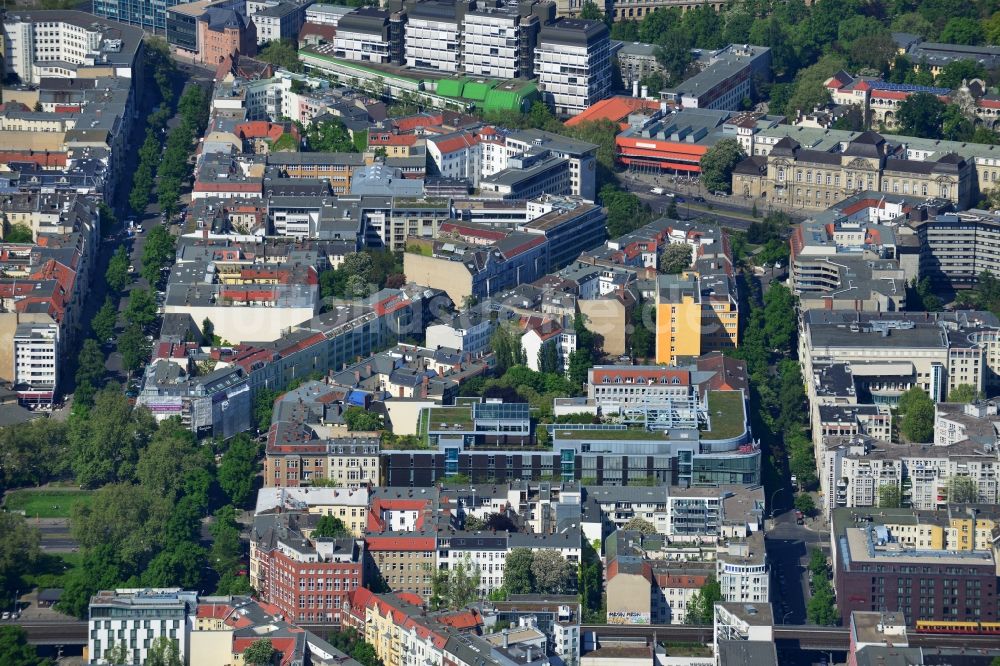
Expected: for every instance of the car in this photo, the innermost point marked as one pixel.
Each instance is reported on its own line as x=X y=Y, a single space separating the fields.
x=700 y=199
x=131 y=268
x=720 y=193
x=679 y=199
x=6 y=615
x=138 y=229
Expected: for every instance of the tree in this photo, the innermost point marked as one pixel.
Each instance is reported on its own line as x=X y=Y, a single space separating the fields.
x=164 y=651
x=19 y=551
x=33 y=453
x=675 y=258
x=640 y=525
x=591 y=11
x=330 y=526
x=227 y=553
x=282 y=54
x=238 y=469
x=552 y=572
x=180 y=565
x=141 y=309
x=964 y=393
x=360 y=419
x=105 y=443
x=962 y=489
x=15 y=648
x=127 y=519
x=917 y=411
x=548 y=357
x=90 y=363
x=518 y=577
x=134 y=348
x=822 y=608
x=263 y=407
x=157 y=251
x=804 y=503
x=809 y=92
x=103 y=323
x=208 y=331
x=701 y=605
x=474 y=524
x=259 y=652
x=19 y=233
x=889 y=497
x=626 y=212
x=817 y=562
x=455 y=588
x=117 y=273
x=328 y=136
x=921 y=115
x=962 y=30
x=717 y=165
x=674 y=54
x=117 y=654
x=170 y=458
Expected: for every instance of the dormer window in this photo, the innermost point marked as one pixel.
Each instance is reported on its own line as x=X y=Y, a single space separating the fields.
x=675 y=380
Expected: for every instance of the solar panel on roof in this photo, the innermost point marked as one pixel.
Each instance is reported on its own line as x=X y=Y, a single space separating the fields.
x=908 y=87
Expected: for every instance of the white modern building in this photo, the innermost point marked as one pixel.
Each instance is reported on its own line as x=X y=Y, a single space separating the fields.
x=363 y=35
x=434 y=35
x=491 y=43
x=276 y=21
x=582 y=157
x=742 y=570
x=573 y=64
x=36 y=362
x=40 y=44
x=136 y=617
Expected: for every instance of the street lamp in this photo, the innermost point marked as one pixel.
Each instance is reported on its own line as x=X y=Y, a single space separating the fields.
x=773 y=495
x=785 y=617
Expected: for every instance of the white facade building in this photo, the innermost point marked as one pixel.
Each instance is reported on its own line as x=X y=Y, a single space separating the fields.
x=742 y=570
x=434 y=36
x=36 y=362
x=491 y=44
x=137 y=617
x=362 y=35
x=573 y=64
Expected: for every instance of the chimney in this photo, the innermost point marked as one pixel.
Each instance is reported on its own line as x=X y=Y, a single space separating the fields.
x=506 y=639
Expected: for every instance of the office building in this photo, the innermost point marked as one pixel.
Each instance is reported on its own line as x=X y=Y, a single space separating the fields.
x=135 y=617
x=956 y=248
x=363 y=35
x=728 y=76
x=276 y=21
x=581 y=155
x=573 y=64
x=68 y=44
x=500 y=42
x=434 y=34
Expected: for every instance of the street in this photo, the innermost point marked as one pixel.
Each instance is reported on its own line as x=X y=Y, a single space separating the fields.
x=147 y=220
x=788 y=546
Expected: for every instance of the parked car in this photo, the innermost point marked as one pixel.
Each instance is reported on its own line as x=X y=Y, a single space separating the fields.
x=131 y=268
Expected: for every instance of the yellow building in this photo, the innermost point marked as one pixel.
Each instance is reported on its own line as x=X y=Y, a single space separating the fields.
x=678 y=317
x=382 y=633
x=348 y=504
x=695 y=314
x=964 y=534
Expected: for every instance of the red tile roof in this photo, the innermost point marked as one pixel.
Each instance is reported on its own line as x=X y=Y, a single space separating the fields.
x=614 y=109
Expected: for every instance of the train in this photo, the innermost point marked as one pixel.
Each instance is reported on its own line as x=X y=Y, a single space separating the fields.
x=946 y=627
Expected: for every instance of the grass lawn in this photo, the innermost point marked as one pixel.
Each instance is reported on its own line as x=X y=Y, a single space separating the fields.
x=52 y=569
x=45 y=503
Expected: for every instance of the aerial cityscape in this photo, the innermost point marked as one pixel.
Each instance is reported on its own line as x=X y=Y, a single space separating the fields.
x=500 y=333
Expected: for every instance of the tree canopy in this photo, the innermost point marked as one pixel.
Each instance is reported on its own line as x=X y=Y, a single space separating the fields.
x=717 y=165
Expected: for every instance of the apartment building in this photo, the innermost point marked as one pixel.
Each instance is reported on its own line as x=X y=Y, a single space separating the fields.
x=330 y=340
x=955 y=248
x=36 y=363
x=581 y=155
x=643 y=592
x=874 y=571
x=308 y=578
x=337 y=168
x=294 y=460
x=695 y=314
x=134 y=618
x=742 y=570
x=573 y=64
x=349 y=505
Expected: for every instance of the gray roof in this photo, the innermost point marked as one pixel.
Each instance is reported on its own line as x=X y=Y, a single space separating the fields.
x=741 y=653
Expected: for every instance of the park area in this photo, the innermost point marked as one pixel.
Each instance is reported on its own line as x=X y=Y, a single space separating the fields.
x=45 y=503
